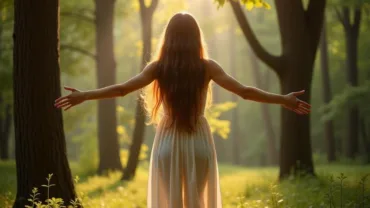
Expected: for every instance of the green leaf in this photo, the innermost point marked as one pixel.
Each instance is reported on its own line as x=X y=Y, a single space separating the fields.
x=249 y=4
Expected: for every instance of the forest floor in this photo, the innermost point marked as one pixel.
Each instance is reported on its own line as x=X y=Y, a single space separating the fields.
x=240 y=187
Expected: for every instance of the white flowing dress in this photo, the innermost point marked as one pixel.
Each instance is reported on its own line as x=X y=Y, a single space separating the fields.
x=183 y=169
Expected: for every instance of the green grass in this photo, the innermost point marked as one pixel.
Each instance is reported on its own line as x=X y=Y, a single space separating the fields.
x=241 y=187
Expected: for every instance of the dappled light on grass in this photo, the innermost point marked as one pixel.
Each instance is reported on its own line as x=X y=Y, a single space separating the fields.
x=241 y=187
x=110 y=191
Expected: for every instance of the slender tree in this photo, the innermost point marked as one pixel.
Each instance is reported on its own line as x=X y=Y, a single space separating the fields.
x=109 y=157
x=329 y=129
x=5 y=125
x=365 y=135
x=146 y=17
x=5 y=108
x=272 y=152
x=351 y=31
x=39 y=138
x=234 y=116
x=300 y=30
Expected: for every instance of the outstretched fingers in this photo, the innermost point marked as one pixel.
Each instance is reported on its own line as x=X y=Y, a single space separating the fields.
x=304 y=104
x=63 y=105
x=298 y=110
x=303 y=109
x=61 y=98
x=62 y=102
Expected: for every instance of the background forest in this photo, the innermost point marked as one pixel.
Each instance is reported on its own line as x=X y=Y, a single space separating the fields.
x=108 y=145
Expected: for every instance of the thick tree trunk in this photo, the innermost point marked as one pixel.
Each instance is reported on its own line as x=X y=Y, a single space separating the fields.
x=39 y=138
x=109 y=156
x=273 y=156
x=329 y=129
x=295 y=146
x=146 y=14
x=299 y=43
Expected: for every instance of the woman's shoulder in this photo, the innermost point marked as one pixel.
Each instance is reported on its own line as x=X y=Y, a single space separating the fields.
x=211 y=66
x=211 y=63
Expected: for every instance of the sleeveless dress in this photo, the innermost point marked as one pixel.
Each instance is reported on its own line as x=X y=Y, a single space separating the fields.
x=183 y=170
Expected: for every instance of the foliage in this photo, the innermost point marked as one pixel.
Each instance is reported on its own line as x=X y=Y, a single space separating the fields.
x=249 y=4
x=351 y=96
x=217 y=125
x=50 y=201
x=127 y=120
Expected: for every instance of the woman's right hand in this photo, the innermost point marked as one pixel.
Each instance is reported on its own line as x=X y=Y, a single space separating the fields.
x=292 y=103
x=76 y=97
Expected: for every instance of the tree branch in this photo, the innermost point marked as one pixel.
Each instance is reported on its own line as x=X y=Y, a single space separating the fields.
x=315 y=17
x=346 y=18
x=153 y=6
x=78 y=16
x=77 y=49
x=339 y=16
x=142 y=4
x=357 y=18
x=272 y=61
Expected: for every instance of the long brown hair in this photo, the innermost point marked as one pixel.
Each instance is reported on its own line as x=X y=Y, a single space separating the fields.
x=181 y=77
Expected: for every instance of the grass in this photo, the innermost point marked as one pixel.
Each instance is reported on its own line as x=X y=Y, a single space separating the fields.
x=240 y=187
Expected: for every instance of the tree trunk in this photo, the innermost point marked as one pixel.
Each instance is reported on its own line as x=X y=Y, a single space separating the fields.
x=109 y=156
x=352 y=34
x=365 y=138
x=295 y=145
x=39 y=138
x=329 y=129
x=351 y=31
x=265 y=111
x=234 y=98
x=300 y=33
x=146 y=14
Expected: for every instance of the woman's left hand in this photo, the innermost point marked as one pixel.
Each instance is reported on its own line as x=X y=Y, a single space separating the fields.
x=76 y=97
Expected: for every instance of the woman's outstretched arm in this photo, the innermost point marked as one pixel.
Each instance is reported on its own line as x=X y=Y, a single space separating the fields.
x=289 y=101
x=135 y=83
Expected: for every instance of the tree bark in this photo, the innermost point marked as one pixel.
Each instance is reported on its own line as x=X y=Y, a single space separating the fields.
x=146 y=16
x=329 y=129
x=109 y=156
x=39 y=138
x=300 y=33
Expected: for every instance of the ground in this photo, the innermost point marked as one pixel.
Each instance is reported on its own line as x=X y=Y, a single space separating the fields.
x=240 y=186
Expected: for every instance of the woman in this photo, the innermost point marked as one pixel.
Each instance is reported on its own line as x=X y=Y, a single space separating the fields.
x=183 y=167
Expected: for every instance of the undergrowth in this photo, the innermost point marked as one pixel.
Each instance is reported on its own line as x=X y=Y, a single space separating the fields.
x=334 y=187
